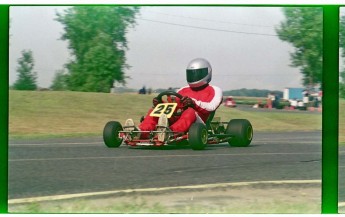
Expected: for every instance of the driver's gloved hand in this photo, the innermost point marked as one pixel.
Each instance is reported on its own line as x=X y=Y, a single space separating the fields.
x=155 y=102
x=187 y=102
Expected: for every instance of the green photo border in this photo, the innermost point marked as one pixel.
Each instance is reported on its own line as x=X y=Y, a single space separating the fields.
x=4 y=65
x=330 y=115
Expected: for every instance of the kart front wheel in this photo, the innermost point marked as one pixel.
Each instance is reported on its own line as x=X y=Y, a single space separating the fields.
x=241 y=131
x=111 y=134
x=198 y=136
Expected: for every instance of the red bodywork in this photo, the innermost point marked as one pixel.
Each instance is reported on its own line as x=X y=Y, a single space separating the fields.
x=229 y=102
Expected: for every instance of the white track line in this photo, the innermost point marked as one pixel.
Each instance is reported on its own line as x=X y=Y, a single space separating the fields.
x=70 y=196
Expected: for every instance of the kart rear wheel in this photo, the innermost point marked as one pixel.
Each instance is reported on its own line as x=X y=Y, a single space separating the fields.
x=197 y=136
x=111 y=134
x=242 y=132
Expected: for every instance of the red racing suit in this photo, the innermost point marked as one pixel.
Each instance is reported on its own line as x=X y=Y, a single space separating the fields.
x=206 y=100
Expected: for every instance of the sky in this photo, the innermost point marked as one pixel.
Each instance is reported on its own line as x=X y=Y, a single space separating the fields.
x=239 y=42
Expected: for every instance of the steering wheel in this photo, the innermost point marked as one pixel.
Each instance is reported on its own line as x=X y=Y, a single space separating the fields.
x=170 y=93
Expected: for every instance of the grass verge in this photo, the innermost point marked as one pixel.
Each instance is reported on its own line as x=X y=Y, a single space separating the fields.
x=274 y=199
x=35 y=114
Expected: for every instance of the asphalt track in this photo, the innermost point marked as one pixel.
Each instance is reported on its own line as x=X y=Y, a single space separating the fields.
x=39 y=168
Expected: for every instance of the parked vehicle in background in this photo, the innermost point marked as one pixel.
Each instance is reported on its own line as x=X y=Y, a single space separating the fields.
x=230 y=102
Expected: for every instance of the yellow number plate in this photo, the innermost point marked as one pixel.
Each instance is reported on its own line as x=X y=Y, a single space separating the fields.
x=164 y=108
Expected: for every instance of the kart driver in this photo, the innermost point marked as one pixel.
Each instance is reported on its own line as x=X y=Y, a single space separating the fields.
x=199 y=100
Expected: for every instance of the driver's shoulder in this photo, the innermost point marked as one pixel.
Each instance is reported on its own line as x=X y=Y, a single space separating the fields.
x=216 y=90
x=215 y=87
x=183 y=89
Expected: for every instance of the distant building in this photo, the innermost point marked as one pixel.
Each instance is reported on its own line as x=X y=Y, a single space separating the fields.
x=293 y=93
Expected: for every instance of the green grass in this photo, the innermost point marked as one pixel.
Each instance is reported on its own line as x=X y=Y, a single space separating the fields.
x=143 y=207
x=299 y=199
x=53 y=114
x=48 y=113
x=274 y=121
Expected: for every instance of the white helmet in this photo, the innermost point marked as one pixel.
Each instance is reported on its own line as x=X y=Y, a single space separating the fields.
x=198 y=73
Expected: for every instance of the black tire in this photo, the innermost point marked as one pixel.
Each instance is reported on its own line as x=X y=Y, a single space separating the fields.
x=197 y=136
x=242 y=132
x=111 y=134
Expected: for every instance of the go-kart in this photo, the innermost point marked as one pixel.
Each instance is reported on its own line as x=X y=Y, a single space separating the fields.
x=237 y=132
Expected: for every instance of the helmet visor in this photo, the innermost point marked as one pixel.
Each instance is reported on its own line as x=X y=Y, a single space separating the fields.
x=194 y=75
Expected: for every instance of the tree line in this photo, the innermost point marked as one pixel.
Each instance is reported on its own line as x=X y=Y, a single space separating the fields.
x=96 y=37
x=252 y=92
x=342 y=52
